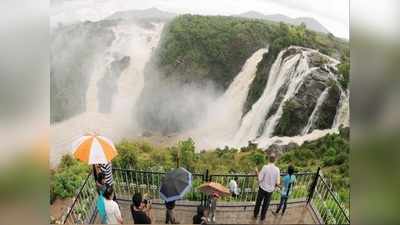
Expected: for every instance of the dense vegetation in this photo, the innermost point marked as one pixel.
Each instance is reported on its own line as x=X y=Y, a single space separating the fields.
x=66 y=180
x=331 y=153
x=203 y=48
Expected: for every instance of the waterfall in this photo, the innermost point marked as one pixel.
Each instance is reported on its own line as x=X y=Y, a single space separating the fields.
x=285 y=78
x=223 y=116
x=297 y=78
x=343 y=112
x=289 y=70
x=314 y=114
x=130 y=40
x=139 y=48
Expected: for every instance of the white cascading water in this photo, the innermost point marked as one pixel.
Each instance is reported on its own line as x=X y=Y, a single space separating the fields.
x=315 y=112
x=284 y=72
x=223 y=116
x=130 y=40
x=343 y=111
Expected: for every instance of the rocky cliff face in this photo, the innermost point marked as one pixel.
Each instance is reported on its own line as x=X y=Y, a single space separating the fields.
x=301 y=94
x=315 y=104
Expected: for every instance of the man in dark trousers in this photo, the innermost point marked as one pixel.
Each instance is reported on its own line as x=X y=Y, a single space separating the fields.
x=268 y=179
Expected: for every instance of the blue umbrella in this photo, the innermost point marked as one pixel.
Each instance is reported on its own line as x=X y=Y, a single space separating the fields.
x=175 y=184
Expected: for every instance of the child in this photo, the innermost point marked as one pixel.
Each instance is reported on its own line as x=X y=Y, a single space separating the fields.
x=288 y=183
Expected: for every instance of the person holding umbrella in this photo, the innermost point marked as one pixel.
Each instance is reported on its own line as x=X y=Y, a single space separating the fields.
x=98 y=151
x=170 y=213
x=215 y=191
x=174 y=185
x=212 y=205
x=94 y=150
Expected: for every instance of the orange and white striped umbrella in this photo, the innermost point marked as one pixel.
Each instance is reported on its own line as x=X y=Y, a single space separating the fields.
x=94 y=149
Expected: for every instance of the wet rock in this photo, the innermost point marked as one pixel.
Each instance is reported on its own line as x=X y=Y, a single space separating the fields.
x=297 y=110
x=328 y=110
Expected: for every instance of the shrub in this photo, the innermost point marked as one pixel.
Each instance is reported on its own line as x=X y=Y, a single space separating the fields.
x=66 y=180
x=127 y=155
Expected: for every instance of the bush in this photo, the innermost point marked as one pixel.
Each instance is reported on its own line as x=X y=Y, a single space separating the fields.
x=127 y=155
x=66 y=180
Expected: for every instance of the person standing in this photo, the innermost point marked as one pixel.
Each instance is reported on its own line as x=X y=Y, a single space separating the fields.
x=233 y=187
x=170 y=214
x=288 y=183
x=106 y=169
x=212 y=204
x=113 y=214
x=268 y=179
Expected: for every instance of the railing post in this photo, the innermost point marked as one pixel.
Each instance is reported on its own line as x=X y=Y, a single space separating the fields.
x=203 y=196
x=312 y=187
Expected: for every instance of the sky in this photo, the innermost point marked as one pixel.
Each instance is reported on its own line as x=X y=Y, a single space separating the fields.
x=333 y=14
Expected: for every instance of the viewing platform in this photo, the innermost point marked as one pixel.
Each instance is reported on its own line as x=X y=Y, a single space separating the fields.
x=228 y=213
x=312 y=200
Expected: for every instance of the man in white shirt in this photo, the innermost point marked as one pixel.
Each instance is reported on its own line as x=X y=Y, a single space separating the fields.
x=268 y=179
x=233 y=187
x=113 y=214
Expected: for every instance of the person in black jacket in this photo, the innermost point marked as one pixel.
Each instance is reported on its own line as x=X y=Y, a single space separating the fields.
x=201 y=216
x=140 y=210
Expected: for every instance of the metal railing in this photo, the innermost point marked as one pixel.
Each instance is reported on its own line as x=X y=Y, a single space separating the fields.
x=83 y=207
x=127 y=182
x=310 y=188
x=326 y=204
x=248 y=187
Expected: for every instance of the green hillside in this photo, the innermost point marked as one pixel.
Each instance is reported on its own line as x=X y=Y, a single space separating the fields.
x=202 y=48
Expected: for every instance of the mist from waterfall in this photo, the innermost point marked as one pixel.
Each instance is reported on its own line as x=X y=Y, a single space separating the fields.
x=135 y=43
x=223 y=116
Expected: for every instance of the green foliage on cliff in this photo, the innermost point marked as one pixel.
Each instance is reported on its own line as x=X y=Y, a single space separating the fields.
x=285 y=36
x=201 y=48
x=215 y=47
x=344 y=70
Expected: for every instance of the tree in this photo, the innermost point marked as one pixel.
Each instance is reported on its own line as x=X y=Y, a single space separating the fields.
x=187 y=153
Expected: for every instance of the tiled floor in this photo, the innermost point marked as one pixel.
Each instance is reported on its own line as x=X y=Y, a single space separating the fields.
x=295 y=214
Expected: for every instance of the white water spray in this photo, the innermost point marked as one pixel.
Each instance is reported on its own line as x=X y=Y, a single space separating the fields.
x=135 y=42
x=223 y=116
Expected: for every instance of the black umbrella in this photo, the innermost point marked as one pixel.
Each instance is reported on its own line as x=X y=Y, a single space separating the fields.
x=175 y=184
